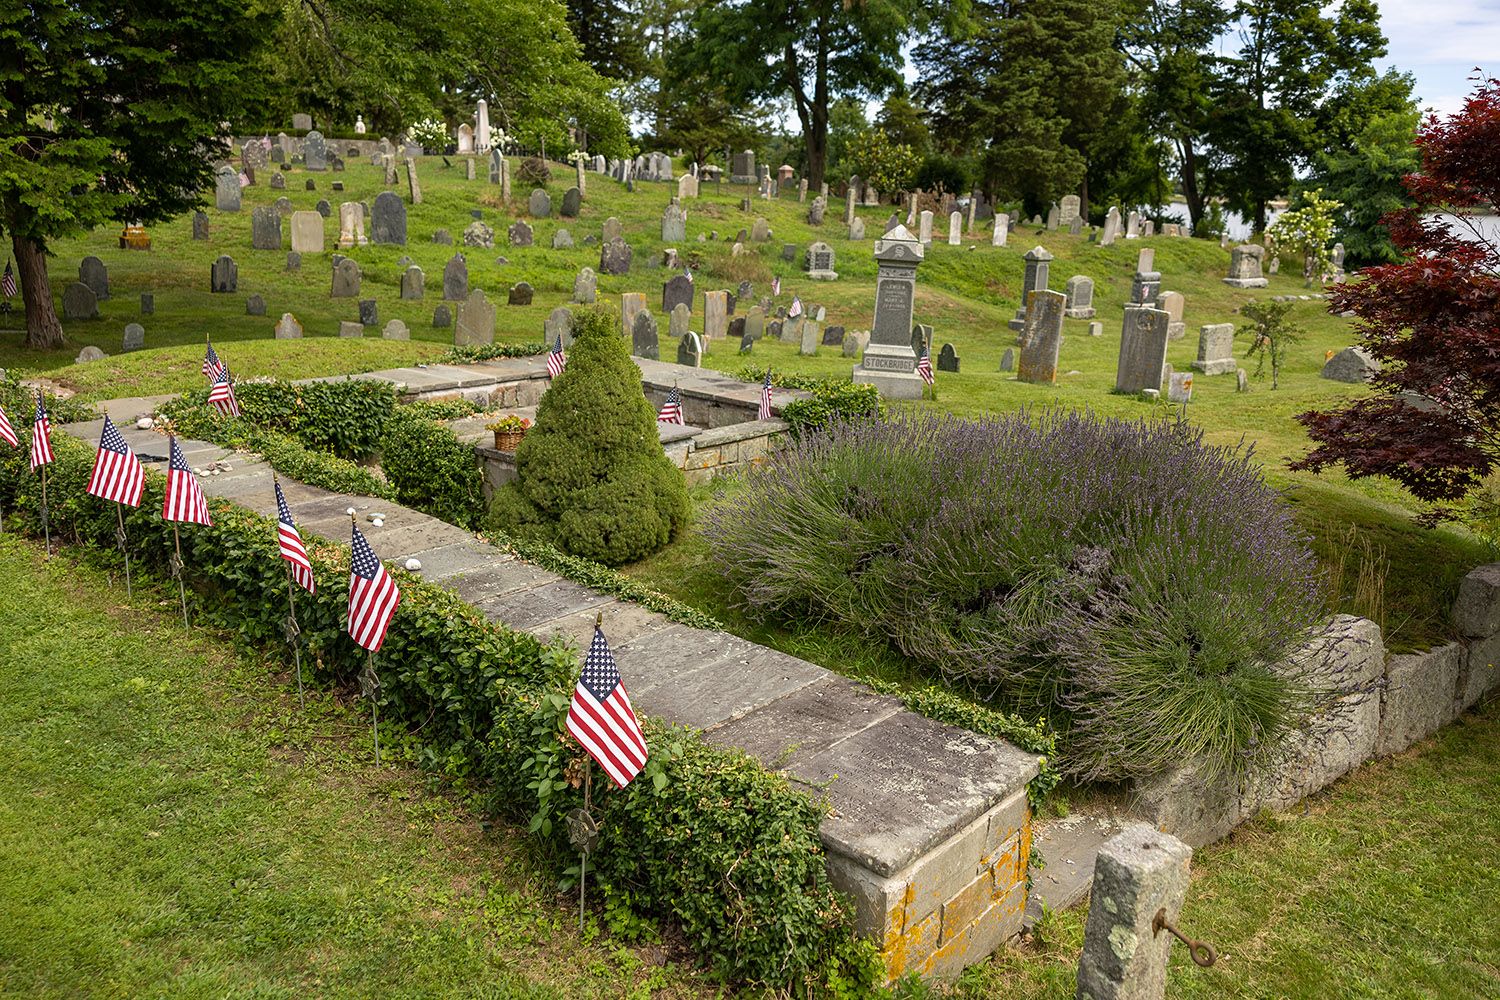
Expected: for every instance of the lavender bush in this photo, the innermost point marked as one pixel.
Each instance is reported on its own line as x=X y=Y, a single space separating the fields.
x=1134 y=584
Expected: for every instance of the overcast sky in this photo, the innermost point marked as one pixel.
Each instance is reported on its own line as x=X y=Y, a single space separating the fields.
x=1440 y=42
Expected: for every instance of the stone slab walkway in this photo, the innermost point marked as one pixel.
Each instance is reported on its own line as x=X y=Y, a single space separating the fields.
x=903 y=789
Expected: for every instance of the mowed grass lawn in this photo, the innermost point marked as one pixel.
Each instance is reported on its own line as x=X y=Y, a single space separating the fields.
x=172 y=825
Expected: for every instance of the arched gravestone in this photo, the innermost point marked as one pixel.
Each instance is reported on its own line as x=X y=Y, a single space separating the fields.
x=224 y=275
x=388 y=220
x=456 y=279
x=92 y=272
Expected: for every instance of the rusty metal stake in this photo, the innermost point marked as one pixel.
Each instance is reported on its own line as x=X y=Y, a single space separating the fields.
x=1203 y=953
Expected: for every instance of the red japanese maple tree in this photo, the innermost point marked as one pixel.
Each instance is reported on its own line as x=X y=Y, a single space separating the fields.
x=1433 y=321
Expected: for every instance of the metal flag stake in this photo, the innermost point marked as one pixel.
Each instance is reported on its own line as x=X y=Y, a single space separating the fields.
x=175 y=563
x=120 y=540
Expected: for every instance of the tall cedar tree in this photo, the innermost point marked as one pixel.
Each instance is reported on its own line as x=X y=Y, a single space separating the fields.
x=806 y=51
x=111 y=111
x=1433 y=320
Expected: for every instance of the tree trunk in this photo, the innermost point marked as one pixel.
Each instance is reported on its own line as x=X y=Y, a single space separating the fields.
x=43 y=331
x=1190 y=183
x=817 y=134
x=1083 y=197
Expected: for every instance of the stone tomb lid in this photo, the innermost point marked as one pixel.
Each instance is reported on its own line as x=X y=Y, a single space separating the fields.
x=899 y=244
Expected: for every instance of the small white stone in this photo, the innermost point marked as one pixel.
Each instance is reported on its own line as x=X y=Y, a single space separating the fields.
x=349 y=511
x=414 y=565
x=145 y=424
x=378 y=522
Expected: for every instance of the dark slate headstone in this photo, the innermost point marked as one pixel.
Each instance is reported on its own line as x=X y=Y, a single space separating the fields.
x=79 y=302
x=91 y=272
x=789 y=252
x=539 y=205
x=442 y=317
x=294 y=261
x=743 y=292
x=134 y=338
x=414 y=283
x=388 y=219
x=323 y=208
x=476 y=214
x=774 y=328
x=369 y=312
x=338 y=185
x=736 y=329
x=456 y=279
x=614 y=257
x=833 y=336
x=265 y=228
x=947 y=359
x=278 y=182
x=443 y=236
x=255 y=305
x=520 y=294
x=148 y=304
x=311 y=185
x=338 y=162
x=678 y=289
x=200 y=226
x=346 y=279
x=224 y=275
x=315 y=152
x=572 y=200
x=643 y=338
x=519 y=234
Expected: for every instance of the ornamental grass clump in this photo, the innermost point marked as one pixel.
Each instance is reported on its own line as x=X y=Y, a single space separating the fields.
x=1139 y=588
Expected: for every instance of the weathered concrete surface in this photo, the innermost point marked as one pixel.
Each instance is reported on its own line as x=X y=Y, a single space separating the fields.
x=1476 y=612
x=1482 y=675
x=1139 y=873
x=1068 y=846
x=1421 y=696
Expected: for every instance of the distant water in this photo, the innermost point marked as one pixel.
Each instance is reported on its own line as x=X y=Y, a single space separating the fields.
x=1237 y=226
x=1485 y=226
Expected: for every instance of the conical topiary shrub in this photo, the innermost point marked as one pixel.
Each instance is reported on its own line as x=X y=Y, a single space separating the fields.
x=591 y=476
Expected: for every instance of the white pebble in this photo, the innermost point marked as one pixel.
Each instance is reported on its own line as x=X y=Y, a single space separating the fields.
x=145 y=424
x=349 y=511
x=414 y=565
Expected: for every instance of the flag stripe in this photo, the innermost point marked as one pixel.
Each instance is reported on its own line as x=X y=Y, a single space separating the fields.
x=117 y=475
x=606 y=726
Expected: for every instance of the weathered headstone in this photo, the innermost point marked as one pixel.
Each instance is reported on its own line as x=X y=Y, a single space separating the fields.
x=200 y=226
x=632 y=304
x=585 y=287
x=90 y=353
x=519 y=234
x=1352 y=364
x=924 y=228
x=1173 y=303
x=351 y=225
x=855 y=342
x=755 y=322
x=476 y=321
x=857 y=229
x=346 y=280
x=350 y=329
x=323 y=208
x=816 y=211
x=456 y=279
x=690 y=350
x=1038 y=260
x=413 y=185
x=287 y=328
x=442 y=316
x=678 y=289
x=388 y=220
x=224 y=275
x=673 y=224
x=955 y=229
x=278 y=182
x=760 y=231
x=294 y=261
x=1143 y=349
x=612 y=229
x=572 y=201
x=1008 y=360
x=255 y=305
x=369 y=312
x=1041 y=340
x=283 y=206
x=1080 y=297
x=315 y=151
x=227 y=189
x=614 y=257
x=148 y=303
x=679 y=321
x=819 y=262
x=520 y=294
x=265 y=228
x=134 y=338
x=1245 y=266
x=889 y=362
x=715 y=315
x=1002 y=230
x=92 y=272
x=562 y=240
x=1180 y=387
x=307 y=232
x=947 y=360
x=1147 y=281
x=559 y=323
x=643 y=338
x=539 y=204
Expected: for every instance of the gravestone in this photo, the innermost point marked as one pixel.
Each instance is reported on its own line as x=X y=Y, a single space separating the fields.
x=495 y=165
x=224 y=275
x=924 y=228
x=539 y=205
x=1173 y=303
x=227 y=189
x=1008 y=360
x=1054 y=215
x=1133 y=226
x=673 y=224
x=889 y=363
x=632 y=304
x=134 y=338
x=456 y=279
x=200 y=226
x=369 y=312
x=1041 y=340
x=789 y=252
x=755 y=322
x=738 y=335
x=955 y=229
x=808 y=338
x=413 y=185
x=476 y=321
x=443 y=237
x=559 y=323
x=690 y=350
x=715 y=315
x=278 y=182
x=819 y=262
x=643 y=339
x=742 y=168
x=413 y=283
x=562 y=240
x=283 y=206
x=92 y=272
x=351 y=225
x=857 y=229
x=294 y=261
x=148 y=304
x=1037 y=262
x=947 y=360
x=1147 y=281
x=1002 y=230
x=1245 y=263
x=311 y=185
x=346 y=280
x=1352 y=364
x=833 y=336
x=612 y=229
x=520 y=294
x=572 y=200
x=323 y=208
x=265 y=228
x=255 y=305
x=307 y=232
x=816 y=211
x=396 y=329
x=677 y=290
x=1143 y=349
x=585 y=287
x=90 y=353
x=1080 y=297
x=614 y=257
x=855 y=343
x=315 y=151
x=80 y=302
x=760 y=231
x=1068 y=209
x=679 y=321
x=349 y=329
x=442 y=317
x=388 y=220
x=519 y=234
x=1180 y=387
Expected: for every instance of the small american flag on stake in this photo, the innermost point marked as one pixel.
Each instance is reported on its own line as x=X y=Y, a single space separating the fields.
x=372 y=595
x=289 y=540
x=671 y=410
x=41 y=437
x=765 y=398
x=7 y=432
x=8 y=282
x=184 y=500
x=796 y=308
x=118 y=475
x=924 y=366
x=212 y=366
x=221 y=395
x=556 y=359
x=601 y=718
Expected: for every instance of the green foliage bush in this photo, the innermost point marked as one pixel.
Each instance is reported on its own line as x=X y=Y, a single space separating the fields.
x=705 y=838
x=431 y=470
x=345 y=418
x=833 y=400
x=467 y=354
x=591 y=477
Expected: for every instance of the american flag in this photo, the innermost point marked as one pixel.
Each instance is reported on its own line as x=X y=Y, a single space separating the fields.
x=765 y=398
x=671 y=410
x=7 y=432
x=924 y=366
x=601 y=718
x=8 y=282
x=184 y=500
x=221 y=396
x=372 y=595
x=118 y=475
x=775 y=286
x=212 y=366
x=41 y=437
x=556 y=359
x=796 y=309
x=290 y=541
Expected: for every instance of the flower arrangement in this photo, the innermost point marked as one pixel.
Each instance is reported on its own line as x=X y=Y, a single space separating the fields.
x=509 y=425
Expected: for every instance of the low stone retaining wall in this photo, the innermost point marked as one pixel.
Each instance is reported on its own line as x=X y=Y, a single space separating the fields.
x=1396 y=701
